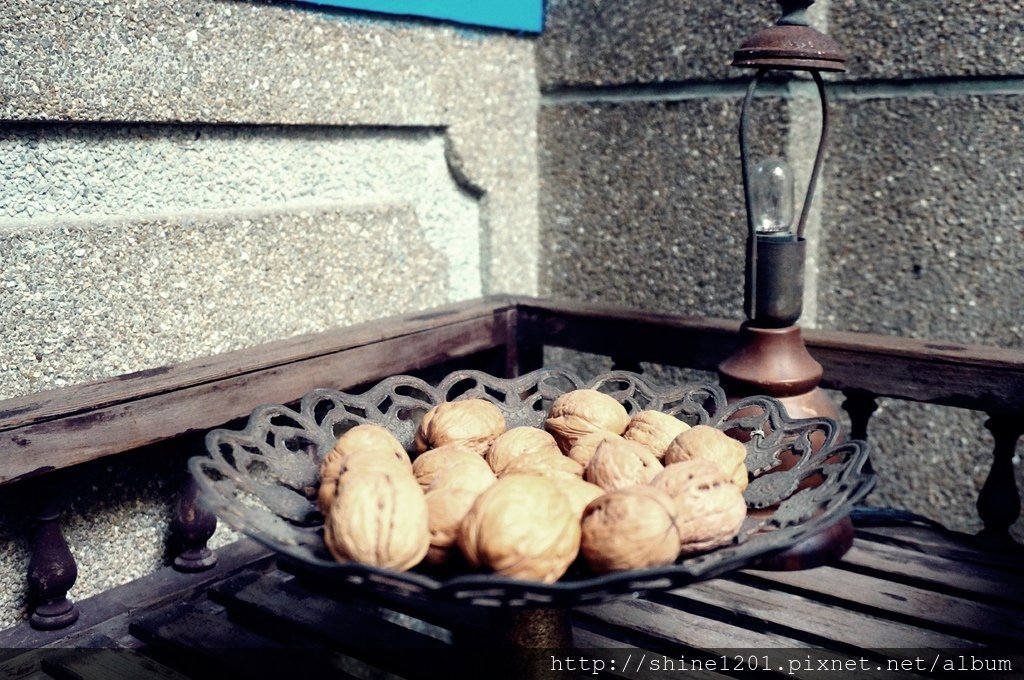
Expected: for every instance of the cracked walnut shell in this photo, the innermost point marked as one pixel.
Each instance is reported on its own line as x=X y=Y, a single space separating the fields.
x=428 y=465
x=474 y=423
x=583 y=450
x=521 y=527
x=629 y=528
x=580 y=412
x=655 y=430
x=709 y=508
x=379 y=519
x=365 y=446
x=553 y=465
x=519 y=442
x=617 y=464
x=704 y=441
x=449 y=498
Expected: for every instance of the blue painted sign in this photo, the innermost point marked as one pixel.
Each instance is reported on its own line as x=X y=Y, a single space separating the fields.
x=517 y=15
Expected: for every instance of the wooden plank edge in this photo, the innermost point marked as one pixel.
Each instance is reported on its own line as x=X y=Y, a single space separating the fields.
x=989 y=379
x=138 y=422
x=941 y=574
x=852 y=341
x=81 y=398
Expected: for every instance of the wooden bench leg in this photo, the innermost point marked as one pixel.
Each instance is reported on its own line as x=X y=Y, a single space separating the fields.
x=51 y=570
x=191 y=528
x=999 y=499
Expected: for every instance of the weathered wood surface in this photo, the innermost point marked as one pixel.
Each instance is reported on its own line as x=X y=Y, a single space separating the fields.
x=105 y=664
x=886 y=602
x=969 y=376
x=87 y=397
x=118 y=415
x=124 y=413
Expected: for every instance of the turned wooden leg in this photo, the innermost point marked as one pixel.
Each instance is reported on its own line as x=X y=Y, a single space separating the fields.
x=999 y=499
x=860 y=406
x=51 y=571
x=191 y=528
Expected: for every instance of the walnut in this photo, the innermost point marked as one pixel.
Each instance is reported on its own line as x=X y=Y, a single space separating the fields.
x=463 y=475
x=677 y=478
x=380 y=519
x=370 y=437
x=581 y=412
x=629 y=528
x=583 y=450
x=516 y=442
x=553 y=465
x=472 y=422
x=363 y=446
x=428 y=465
x=580 y=493
x=446 y=508
x=521 y=527
x=449 y=498
x=617 y=464
x=704 y=441
x=709 y=509
x=655 y=430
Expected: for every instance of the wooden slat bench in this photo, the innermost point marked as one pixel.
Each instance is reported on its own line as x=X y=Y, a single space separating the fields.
x=890 y=602
x=908 y=585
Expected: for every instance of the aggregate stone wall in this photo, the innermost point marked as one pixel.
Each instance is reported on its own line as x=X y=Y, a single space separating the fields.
x=182 y=178
x=923 y=220
x=918 y=225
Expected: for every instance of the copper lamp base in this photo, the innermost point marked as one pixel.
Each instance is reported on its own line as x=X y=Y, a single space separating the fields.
x=775 y=362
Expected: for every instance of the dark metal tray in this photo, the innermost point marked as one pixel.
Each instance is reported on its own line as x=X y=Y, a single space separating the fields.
x=262 y=480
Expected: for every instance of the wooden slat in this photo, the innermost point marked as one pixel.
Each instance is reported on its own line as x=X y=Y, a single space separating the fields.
x=966 y=376
x=681 y=628
x=956 y=547
x=201 y=639
x=939 y=573
x=458 y=618
x=694 y=342
x=74 y=399
x=598 y=646
x=17 y=664
x=279 y=602
x=124 y=413
x=880 y=597
x=805 y=618
x=105 y=664
x=279 y=599
x=43 y=446
x=679 y=633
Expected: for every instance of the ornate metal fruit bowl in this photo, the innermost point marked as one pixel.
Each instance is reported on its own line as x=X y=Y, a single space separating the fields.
x=262 y=480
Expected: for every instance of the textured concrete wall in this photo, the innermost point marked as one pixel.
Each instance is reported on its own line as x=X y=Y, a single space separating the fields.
x=917 y=228
x=642 y=203
x=153 y=231
x=185 y=177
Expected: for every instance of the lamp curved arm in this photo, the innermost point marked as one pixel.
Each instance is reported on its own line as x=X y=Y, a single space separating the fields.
x=751 y=272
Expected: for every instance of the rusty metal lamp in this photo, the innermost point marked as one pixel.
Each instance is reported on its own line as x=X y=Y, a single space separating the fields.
x=772 y=358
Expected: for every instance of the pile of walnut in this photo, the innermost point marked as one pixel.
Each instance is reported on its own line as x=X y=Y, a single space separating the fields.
x=622 y=492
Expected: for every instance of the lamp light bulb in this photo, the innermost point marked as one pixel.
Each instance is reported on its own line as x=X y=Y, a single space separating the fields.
x=771 y=185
